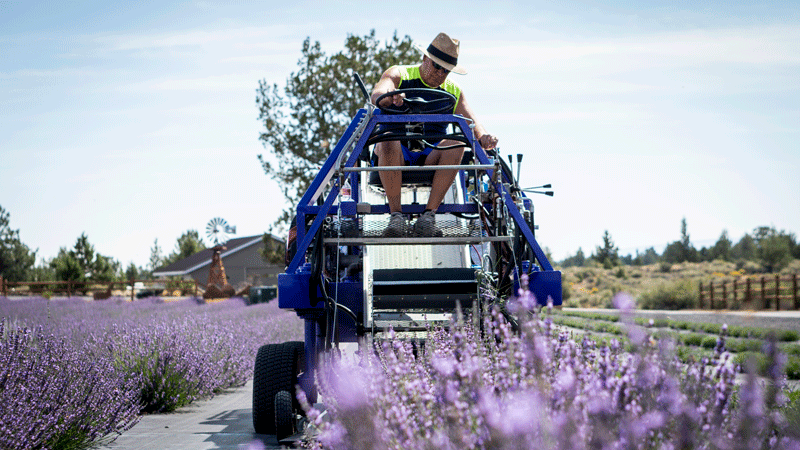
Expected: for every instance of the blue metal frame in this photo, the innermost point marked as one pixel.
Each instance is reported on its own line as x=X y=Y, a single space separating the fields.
x=294 y=286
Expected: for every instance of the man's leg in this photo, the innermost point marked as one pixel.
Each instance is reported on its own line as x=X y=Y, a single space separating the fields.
x=443 y=179
x=390 y=154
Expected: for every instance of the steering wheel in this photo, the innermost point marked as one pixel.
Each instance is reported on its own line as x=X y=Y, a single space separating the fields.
x=420 y=101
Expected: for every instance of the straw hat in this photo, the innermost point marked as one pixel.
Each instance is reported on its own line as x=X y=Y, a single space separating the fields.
x=444 y=51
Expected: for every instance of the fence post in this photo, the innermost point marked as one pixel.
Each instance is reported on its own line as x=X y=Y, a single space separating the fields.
x=711 y=294
x=700 y=294
x=734 y=292
x=764 y=299
x=3 y=287
x=777 y=292
x=794 y=292
x=748 y=293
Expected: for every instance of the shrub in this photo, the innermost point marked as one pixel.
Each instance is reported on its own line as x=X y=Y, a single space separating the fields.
x=677 y=295
x=692 y=339
x=57 y=396
x=490 y=388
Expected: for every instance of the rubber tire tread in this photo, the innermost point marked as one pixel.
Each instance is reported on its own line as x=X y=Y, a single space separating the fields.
x=273 y=373
x=284 y=415
x=300 y=347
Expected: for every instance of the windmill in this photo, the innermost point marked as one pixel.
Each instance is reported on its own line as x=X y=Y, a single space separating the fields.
x=218 y=232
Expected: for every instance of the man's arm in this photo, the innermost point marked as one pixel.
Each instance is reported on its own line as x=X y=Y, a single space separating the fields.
x=486 y=140
x=389 y=82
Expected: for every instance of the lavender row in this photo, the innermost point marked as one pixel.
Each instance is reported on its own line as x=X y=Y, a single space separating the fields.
x=491 y=387
x=75 y=372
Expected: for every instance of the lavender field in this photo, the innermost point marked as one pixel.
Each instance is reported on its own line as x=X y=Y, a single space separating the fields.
x=489 y=386
x=76 y=373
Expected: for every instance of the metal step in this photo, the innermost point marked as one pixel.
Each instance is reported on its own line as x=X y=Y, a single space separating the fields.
x=414 y=290
x=447 y=240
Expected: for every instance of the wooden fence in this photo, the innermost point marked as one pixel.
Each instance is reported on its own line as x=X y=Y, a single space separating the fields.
x=757 y=293
x=98 y=290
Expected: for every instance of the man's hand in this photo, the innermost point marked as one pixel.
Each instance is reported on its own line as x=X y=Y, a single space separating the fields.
x=487 y=141
x=396 y=100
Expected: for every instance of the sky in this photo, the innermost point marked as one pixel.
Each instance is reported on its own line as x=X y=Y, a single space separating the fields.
x=137 y=121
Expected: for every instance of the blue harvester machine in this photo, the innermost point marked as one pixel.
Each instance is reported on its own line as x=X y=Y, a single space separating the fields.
x=349 y=283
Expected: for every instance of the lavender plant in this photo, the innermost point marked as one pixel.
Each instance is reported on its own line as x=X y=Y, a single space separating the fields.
x=54 y=397
x=102 y=363
x=489 y=387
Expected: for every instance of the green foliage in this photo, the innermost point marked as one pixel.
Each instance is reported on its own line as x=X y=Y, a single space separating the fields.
x=83 y=264
x=16 y=258
x=745 y=249
x=575 y=261
x=692 y=339
x=132 y=272
x=681 y=294
x=273 y=251
x=722 y=248
x=774 y=247
x=302 y=121
x=188 y=244
x=607 y=255
x=156 y=257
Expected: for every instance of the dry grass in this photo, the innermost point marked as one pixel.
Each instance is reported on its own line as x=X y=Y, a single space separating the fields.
x=594 y=286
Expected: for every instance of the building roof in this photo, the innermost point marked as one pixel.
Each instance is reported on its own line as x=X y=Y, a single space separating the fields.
x=203 y=258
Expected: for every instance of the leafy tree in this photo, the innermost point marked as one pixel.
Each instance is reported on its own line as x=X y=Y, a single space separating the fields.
x=681 y=251
x=273 y=251
x=67 y=266
x=722 y=249
x=745 y=249
x=155 y=256
x=42 y=272
x=607 y=255
x=650 y=256
x=303 y=120
x=673 y=253
x=575 y=261
x=188 y=244
x=774 y=247
x=132 y=272
x=16 y=258
x=82 y=263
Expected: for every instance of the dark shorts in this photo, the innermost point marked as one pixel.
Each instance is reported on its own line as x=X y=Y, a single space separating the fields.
x=415 y=157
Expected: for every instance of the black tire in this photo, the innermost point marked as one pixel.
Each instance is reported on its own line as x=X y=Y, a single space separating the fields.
x=300 y=348
x=285 y=423
x=275 y=371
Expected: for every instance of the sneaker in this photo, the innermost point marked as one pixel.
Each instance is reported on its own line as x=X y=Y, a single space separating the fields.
x=425 y=226
x=398 y=226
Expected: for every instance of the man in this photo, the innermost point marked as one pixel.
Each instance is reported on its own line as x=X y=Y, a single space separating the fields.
x=440 y=58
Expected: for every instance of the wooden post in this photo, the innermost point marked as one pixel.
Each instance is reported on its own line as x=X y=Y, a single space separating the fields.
x=3 y=287
x=764 y=300
x=748 y=293
x=724 y=296
x=734 y=292
x=777 y=292
x=133 y=283
x=711 y=295
x=700 y=295
x=794 y=292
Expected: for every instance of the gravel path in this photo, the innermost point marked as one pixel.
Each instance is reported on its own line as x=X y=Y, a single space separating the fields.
x=782 y=320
